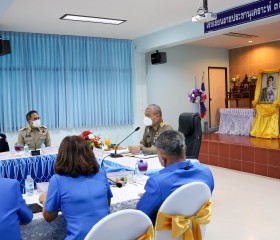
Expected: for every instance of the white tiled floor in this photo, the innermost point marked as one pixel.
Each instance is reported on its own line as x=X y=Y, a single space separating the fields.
x=245 y=207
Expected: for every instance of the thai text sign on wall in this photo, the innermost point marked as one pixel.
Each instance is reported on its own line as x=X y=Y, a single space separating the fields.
x=243 y=14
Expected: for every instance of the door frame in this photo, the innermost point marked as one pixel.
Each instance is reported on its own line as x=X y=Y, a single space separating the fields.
x=209 y=80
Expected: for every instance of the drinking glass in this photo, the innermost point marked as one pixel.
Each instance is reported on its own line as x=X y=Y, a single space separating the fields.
x=107 y=142
x=17 y=149
x=142 y=166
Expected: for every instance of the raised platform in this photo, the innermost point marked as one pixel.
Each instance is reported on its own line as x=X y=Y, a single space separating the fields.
x=243 y=153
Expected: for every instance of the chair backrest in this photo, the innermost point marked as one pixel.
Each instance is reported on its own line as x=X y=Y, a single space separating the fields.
x=4 y=146
x=122 y=225
x=190 y=126
x=184 y=201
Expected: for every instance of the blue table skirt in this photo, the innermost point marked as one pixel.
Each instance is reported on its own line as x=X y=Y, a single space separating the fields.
x=41 y=168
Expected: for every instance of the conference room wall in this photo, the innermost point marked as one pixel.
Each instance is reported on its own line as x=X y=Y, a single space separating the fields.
x=168 y=84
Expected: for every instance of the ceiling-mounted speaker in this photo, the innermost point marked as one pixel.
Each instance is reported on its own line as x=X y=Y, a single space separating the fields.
x=158 y=57
x=5 y=47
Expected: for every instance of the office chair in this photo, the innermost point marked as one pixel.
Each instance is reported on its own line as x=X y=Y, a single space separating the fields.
x=190 y=126
x=4 y=146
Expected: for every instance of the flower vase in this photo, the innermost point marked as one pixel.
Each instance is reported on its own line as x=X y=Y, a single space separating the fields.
x=195 y=107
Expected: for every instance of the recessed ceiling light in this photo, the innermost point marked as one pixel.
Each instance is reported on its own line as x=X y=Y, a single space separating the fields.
x=80 y=18
x=250 y=41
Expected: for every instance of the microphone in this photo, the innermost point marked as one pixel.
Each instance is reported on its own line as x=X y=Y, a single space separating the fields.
x=37 y=152
x=115 y=155
x=118 y=184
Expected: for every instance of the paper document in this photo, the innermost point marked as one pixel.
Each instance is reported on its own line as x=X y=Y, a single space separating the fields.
x=145 y=156
x=120 y=151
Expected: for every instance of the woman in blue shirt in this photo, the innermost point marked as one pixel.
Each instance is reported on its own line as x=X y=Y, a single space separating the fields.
x=79 y=188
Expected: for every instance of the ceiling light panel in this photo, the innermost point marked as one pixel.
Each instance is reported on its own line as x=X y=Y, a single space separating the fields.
x=80 y=18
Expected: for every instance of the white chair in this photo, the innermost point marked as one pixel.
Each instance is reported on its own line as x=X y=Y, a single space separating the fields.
x=184 y=201
x=122 y=225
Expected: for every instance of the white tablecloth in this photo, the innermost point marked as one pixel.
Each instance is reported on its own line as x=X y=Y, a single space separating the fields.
x=236 y=120
x=126 y=160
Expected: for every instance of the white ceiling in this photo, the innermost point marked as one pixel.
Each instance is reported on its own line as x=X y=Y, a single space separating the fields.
x=143 y=17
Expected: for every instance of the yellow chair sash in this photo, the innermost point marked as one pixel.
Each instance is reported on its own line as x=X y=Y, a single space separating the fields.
x=148 y=235
x=180 y=225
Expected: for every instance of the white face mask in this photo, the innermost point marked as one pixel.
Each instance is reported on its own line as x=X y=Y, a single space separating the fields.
x=37 y=123
x=147 y=121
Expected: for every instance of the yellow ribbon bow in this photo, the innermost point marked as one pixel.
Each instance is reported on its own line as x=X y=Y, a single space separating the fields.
x=148 y=235
x=180 y=225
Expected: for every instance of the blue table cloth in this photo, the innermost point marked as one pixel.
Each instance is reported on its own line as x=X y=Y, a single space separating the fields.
x=41 y=168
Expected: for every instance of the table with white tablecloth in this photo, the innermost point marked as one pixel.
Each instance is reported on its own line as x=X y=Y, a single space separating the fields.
x=41 y=167
x=236 y=121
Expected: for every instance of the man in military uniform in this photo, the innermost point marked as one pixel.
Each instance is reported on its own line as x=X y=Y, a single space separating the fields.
x=154 y=127
x=34 y=134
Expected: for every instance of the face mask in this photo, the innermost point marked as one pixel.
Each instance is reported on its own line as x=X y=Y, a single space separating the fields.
x=147 y=121
x=36 y=123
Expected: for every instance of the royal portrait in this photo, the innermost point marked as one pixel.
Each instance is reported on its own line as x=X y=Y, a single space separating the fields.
x=269 y=88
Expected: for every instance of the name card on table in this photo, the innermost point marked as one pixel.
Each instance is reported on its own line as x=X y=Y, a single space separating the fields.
x=49 y=150
x=98 y=153
x=6 y=155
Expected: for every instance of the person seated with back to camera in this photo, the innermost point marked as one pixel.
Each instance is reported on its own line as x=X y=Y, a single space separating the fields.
x=154 y=127
x=34 y=134
x=13 y=209
x=79 y=188
x=4 y=145
x=177 y=171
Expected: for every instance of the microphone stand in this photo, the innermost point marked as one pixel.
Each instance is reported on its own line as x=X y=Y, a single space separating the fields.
x=116 y=155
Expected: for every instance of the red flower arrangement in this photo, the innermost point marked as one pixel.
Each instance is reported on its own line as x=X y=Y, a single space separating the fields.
x=93 y=140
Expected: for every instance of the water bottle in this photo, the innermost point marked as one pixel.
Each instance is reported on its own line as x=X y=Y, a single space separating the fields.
x=26 y=150
x=141 y=150
x=43 y=145
x=136 y=170
x=29 y=186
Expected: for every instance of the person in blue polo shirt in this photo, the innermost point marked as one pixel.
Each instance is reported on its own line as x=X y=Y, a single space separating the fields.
x=177 y=171
x=13 y=209
x=80 y=188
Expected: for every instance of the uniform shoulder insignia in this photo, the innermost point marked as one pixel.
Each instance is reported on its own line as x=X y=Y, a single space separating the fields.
x=162 y=124
x=23 y=128
x=43 y=127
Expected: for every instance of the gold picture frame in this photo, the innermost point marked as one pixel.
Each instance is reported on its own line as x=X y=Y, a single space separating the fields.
x=269 y=86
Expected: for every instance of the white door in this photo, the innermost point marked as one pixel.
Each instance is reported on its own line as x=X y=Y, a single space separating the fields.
x=217 y=82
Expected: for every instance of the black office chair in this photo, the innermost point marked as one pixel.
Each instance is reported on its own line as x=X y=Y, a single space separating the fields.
x=190 y=126
x=4 y=146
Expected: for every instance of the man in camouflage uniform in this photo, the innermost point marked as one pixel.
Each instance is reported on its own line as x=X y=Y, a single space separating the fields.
x=34 y=134
x=154 y=127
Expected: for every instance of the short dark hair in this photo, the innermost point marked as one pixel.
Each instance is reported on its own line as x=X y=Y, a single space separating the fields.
x=270 y=76
x=75 y=158
x=28 y=115
x=172 y=143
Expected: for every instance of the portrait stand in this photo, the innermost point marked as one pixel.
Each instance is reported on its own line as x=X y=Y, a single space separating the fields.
x=267 y=103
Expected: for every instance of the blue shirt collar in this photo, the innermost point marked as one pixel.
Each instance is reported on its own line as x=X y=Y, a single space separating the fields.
x=174 y=166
